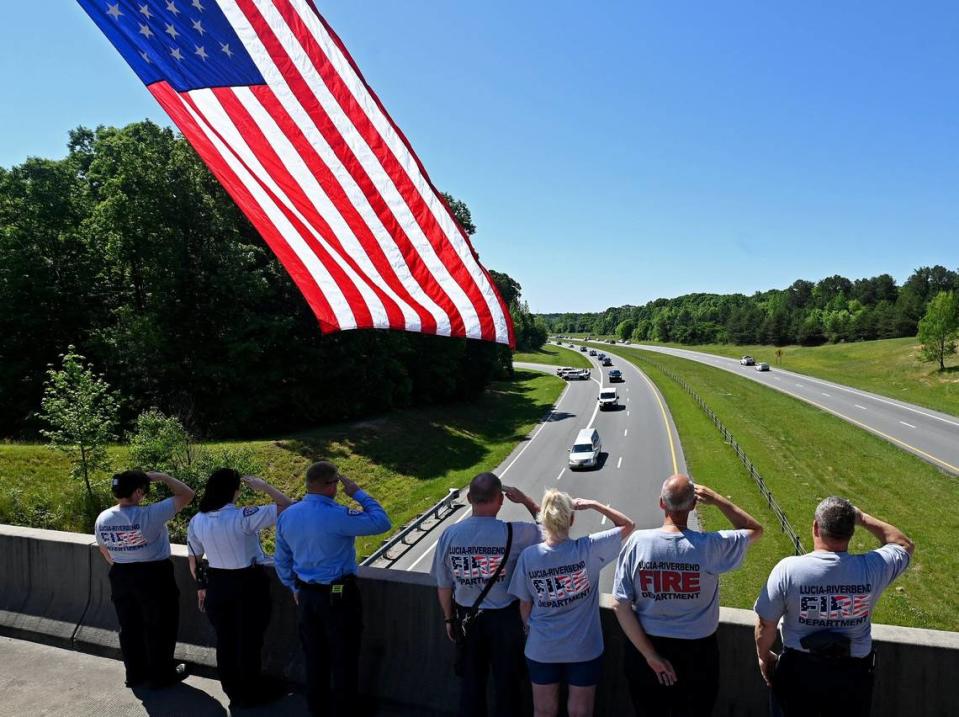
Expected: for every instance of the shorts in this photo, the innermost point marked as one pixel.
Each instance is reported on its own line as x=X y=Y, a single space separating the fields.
x=577 y=674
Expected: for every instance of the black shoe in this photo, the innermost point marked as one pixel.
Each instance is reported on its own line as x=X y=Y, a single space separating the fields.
x=135 y=683
x=179 y=674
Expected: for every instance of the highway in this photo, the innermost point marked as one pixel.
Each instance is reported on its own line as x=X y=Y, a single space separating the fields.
x=931 y=435
x=640 y=449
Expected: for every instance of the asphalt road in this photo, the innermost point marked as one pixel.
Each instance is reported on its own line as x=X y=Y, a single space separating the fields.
x=931 y=435
x=640 y=446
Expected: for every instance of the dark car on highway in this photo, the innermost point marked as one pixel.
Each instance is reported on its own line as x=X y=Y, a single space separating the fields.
x=607 y=361
x=615 y=376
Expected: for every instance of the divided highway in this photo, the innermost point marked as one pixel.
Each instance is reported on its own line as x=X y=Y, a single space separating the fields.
x=640 y=449
x=929 y=434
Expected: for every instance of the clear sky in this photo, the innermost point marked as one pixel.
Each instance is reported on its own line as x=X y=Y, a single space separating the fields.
x=615 y=152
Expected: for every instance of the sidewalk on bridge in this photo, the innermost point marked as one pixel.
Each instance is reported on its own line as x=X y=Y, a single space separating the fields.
x=41 y=680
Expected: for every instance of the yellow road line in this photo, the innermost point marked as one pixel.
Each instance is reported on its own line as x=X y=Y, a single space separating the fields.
x=662 y=409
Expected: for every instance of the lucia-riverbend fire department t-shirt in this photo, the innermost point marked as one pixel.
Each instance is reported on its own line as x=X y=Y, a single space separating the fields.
x=468 y=554
x=830 y=591
x=562 y=582
x=672 y=579
x=134 y=533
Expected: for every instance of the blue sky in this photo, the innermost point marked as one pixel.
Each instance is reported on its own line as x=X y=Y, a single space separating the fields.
x=615 y=152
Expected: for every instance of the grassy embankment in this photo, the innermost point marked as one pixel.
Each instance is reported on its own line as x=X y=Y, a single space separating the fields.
x=554 y=356
x=889 y=367
x=407 y=460
x=805 y=455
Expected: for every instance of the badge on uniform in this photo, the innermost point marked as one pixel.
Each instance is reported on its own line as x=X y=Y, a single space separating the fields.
x=354 y=511
x=247 y=512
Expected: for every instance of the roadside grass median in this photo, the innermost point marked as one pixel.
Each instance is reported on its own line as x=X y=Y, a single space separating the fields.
x=553 y=355
x=888 y=367
x=805 y=455
x=407 y=460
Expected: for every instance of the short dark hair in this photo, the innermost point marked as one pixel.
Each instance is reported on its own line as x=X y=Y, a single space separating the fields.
x=484 y=488
x=124 y=484
x=321 y=472
x=221 y=486
x=836 y=518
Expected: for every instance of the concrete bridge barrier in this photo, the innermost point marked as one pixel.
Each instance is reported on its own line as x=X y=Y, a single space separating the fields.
x=54 y=589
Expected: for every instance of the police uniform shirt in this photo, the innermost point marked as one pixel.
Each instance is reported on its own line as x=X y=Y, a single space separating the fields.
x=315 y=537
x=830 y=591
x=230 y=536
x=562 y=583
x=136 y=533
x=672 y=579
x=468 y=553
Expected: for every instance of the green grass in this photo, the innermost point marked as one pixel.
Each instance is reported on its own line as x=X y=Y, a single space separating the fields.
x=554 y=356
x=407 y=460
x=889 y=367
x=805 y=455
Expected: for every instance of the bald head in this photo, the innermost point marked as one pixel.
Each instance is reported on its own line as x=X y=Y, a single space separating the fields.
x=484 y=489
x=678 y=494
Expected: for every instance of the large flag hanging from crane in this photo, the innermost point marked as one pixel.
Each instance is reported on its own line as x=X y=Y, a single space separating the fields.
x=271 y=100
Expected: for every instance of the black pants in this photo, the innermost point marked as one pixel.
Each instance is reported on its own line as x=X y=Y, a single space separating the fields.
x=494 y=644
x=814 y=686
x=697 y=668
x=238 y=605
x=147 y=602
x=331 y=625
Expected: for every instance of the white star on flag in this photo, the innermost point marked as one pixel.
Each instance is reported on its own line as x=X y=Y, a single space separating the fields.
x=172 y=7
x=146 y=31
x=114 y=11
x=145 y=10
x=198 y=5
x=201 y=53
x=226 y=49
x=146 y=57
x=198 y=26
x=171 y=31
x=175 y=52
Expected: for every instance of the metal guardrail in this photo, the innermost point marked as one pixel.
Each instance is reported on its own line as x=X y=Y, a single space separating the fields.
x=438 y=513
x=777 y=510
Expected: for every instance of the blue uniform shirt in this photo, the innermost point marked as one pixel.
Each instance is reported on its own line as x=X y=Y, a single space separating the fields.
x=314 y=537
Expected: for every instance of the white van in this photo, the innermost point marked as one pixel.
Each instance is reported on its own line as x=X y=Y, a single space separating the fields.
x=586 y=449
x=608 y=399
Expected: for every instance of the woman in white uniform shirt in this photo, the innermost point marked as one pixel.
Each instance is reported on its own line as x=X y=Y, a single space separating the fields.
x=236 y=592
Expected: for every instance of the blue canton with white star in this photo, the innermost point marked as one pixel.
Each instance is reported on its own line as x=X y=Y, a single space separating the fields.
x=188 y=43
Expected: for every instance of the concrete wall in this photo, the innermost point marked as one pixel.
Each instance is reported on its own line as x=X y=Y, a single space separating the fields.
x=54 y=589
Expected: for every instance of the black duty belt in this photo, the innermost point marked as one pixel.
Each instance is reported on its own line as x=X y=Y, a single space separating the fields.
x=325 y=587
x=512 y=606
x=867 y=661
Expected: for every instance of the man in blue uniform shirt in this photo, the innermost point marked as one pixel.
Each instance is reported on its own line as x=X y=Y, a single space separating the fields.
x=316 y=559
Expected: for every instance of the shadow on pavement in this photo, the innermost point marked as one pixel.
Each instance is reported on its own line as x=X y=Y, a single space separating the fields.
x=181 y=699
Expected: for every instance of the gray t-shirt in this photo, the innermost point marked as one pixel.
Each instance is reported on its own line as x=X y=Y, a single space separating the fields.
x=672 y=579
x=468 y=554
x=135 y=533
x=830 y=591
x=562 y=582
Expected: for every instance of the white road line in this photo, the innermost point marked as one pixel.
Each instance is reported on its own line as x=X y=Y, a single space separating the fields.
x=619 y=463
x=800 y=385
x=827 y=395
x=862 y=407
x=907 y=424
x=425 y=553
x=560 y=474
x=466 y=513
x=603 y=522
x=625 y=432
x=776 y=378
x=627 y=414
x=538 y=430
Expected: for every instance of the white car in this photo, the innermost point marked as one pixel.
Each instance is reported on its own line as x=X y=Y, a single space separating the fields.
x=747 y=361
x=762 y=366
x=577 y=374
x=586 y=449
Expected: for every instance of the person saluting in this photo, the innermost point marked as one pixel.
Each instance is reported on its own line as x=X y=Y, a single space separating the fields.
x=235 y=589
x=134 y=540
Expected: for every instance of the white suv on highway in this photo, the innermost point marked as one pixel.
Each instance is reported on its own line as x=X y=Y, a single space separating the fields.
x=608 y=399
x=586 y=449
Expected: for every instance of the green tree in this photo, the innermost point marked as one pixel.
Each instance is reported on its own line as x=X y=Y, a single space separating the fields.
x=461 y=213
x=81 y=411
x=160 y=442
x=625 y=329
x=939 y=328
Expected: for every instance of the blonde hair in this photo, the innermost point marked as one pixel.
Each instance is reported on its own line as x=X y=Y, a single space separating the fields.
x=556 y=514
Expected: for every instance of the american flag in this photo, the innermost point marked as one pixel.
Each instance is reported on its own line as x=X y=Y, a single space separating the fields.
x=272 y=101
x=129 y=539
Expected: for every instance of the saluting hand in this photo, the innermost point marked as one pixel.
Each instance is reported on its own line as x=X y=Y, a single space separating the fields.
x=514 y=494
x=705 y=496
x=349 y=487
x=583 y=503
x=257 y=484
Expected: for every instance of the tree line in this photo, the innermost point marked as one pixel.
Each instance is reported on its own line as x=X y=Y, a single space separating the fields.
x=129 y=250
x=810 y=313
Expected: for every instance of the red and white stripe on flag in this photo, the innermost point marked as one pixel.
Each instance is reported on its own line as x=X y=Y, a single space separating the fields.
x=314 y=161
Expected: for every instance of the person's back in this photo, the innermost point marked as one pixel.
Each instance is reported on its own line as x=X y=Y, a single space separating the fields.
x=136 y=533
